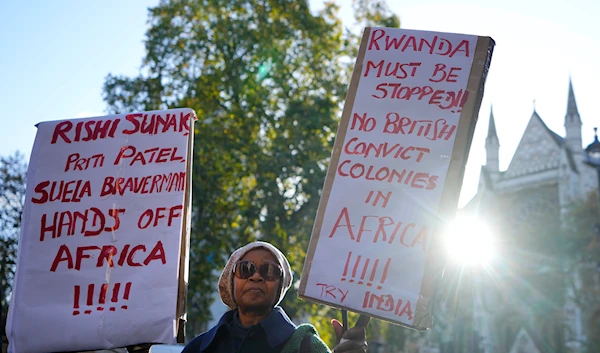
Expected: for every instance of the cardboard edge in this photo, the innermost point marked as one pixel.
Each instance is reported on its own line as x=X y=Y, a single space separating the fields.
x=183 y=274
x=335 y=157
x=449 y=201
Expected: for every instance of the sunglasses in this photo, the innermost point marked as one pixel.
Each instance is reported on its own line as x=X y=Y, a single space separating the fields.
x=268 y=271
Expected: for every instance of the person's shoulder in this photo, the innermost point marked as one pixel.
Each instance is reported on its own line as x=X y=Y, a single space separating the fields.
x=306 y=329
x=201 y=341
x=317 y=344
x=306 y=339
x=194 y=346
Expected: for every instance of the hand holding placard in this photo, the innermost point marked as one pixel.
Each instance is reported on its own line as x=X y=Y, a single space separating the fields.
x=353 y=340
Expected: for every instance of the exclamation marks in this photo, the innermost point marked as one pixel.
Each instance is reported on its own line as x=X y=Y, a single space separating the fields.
x=104 y=289
x=385 y=271
x=367 y=266
x=76 y=290
x=102 y=300
x=373 y=273
x=355 y=268
x=126 y=294
x=364 y=271
x=462 y=97
x=346 y=266
x=90 y=298
x=115 y=296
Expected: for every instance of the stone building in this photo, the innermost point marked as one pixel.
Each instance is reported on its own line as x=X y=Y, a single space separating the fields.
x=529 y=304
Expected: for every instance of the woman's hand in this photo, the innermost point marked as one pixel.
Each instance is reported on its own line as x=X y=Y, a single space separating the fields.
x=354 y=340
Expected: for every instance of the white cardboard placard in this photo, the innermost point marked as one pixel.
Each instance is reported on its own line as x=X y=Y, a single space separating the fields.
x=99 y=253
x=402 y=139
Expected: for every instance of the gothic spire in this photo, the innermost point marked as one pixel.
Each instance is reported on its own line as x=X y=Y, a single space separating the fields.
x=492 y=147
x=572 y=112
x=492 y=127
x=573 y=123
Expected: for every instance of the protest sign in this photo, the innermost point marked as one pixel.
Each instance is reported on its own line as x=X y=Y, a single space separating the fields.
x=102 y=257
x=395 y=173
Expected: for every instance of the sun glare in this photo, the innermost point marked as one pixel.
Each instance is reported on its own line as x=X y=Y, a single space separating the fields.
x=469 y=241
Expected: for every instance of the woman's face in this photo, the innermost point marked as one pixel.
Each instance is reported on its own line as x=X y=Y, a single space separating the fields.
x=256 y=293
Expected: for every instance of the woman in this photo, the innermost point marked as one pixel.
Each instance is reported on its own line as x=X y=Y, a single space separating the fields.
x=252 y=284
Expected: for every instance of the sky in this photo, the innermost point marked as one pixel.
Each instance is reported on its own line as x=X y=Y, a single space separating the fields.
x=56 y=54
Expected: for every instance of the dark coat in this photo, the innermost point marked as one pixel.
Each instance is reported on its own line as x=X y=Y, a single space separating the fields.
x=275 y=334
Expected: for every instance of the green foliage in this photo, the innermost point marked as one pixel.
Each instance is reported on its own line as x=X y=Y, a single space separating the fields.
x=12 y=196
x=374 y=13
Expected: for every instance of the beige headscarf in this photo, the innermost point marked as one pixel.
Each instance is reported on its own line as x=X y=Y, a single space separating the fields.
x=226 y=279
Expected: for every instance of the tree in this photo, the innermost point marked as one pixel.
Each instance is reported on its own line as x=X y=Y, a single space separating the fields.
x=267 y=80
x=12 y=197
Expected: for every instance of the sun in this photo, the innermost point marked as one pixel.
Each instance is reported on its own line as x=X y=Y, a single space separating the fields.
x=469 y=241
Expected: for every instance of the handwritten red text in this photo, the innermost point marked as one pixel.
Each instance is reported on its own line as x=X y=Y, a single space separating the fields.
x=61 y=191
x=105 y=254
x=444 y=73
x=386 y=302
x=437 y=45
x=143 y=185
x=353 y=270
x=431 y=130
x=392 y=69
x=443 y=99
x=153 y=124
x=417 y=180
x=131 y=155
x=385 y=229
x=328 y=290
x=90 y=130
x=76 y=162
x=153 y=216
x=102 y=297
x=90 y=222
x=356 y=147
